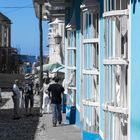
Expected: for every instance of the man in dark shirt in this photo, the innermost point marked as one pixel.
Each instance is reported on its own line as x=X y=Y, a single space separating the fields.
x=55 y=91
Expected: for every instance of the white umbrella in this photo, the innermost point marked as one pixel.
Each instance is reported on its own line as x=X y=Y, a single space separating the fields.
x=50 y=67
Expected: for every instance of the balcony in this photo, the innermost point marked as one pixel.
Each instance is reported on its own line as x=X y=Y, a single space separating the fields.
x=51 y=8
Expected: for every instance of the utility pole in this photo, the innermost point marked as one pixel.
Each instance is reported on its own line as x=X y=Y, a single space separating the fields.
x=41 y=52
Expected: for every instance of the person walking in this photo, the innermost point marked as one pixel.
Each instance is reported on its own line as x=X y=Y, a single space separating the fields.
x=16 y=99
x=46 y=99
x=29 y=97
x=55 y=92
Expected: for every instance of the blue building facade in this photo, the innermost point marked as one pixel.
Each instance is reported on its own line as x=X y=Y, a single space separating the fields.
x=102 y=67
x=83 y=51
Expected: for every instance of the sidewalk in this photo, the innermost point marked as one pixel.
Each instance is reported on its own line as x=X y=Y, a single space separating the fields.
x=32 y=128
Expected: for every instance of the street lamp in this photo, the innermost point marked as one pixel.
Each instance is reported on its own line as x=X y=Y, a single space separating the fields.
x=58 y=39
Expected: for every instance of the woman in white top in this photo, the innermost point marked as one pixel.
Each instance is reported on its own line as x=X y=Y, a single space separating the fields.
x=46 y=99
x=17 y=92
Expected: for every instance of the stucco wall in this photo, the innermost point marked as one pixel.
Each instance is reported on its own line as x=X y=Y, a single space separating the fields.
x=135 y=70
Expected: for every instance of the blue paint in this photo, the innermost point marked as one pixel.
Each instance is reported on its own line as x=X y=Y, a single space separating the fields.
x=78 y=123
x=64 y=103
x=135 y=72
x=78 y=59
x=101 y=45
x=91 y=136
x=70 y=114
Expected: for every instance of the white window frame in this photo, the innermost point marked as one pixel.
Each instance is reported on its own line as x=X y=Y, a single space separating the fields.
x=116 y=96
x=90 y=106
x=71 y=69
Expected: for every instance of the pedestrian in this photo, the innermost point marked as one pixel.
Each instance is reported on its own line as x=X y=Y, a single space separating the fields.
x=37 y=88
x=16 y=99
x=55 y=92
x=46 y=99
x=29 y=97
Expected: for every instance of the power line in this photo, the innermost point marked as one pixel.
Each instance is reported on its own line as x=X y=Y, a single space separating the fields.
x=16 y=8
x=19 y=7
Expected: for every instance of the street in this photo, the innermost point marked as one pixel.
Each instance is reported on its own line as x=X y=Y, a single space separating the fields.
x=32 y=127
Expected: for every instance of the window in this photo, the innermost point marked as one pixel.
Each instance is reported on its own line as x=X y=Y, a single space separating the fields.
x=90 y=66
x=5 y=36
x=116 y=94
x=71 y=66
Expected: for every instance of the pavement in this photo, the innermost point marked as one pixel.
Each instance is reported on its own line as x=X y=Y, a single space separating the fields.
x=32 y=127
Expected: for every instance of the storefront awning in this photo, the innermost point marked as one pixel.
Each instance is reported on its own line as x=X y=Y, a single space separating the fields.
x=89 y=3
x=51 y=8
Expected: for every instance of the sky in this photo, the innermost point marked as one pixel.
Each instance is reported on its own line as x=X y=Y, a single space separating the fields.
x=25 y=26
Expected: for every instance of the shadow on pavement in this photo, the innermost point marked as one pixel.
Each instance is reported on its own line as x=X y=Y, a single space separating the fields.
x=64 y=124
x=22 y=129
x=4 y=101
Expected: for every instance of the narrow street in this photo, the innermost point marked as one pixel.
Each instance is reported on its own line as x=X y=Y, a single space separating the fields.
x=33 y=127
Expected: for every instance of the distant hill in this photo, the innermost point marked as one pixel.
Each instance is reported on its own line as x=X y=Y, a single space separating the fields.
x=26 y=58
